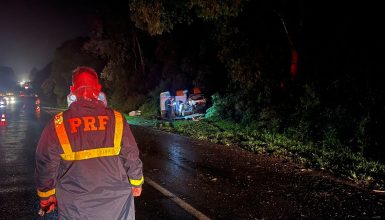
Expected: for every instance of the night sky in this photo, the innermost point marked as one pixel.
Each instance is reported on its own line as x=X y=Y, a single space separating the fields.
x=31 y=30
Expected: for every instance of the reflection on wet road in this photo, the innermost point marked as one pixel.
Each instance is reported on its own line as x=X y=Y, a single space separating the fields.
x=18 y=139
x=221 y=182
x=231 y=183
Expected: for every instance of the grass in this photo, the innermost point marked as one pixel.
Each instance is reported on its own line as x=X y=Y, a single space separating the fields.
x=135 y=120
x=339 y=161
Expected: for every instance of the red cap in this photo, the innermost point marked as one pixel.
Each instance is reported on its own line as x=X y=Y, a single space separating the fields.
x=85 y=77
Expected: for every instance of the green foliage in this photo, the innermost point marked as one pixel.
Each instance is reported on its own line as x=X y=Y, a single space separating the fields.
x=133 y=102
x=150 y=108
x=46 y=91
x=341 y=161
x=213 y=10
x=239 y=51
x=126 y=104
x=157 y=17
x=61 y=91
x=362 y=133
x=135 y=120
x=216 y=109
x=269 y=120
x=66 y=59
x=309 y=101
x=331 y=139
x=125 y=80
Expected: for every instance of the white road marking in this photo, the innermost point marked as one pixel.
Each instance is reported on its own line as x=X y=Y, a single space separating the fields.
x=187 y=207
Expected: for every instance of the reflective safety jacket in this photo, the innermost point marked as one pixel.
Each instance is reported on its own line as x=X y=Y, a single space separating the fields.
x=88 y=157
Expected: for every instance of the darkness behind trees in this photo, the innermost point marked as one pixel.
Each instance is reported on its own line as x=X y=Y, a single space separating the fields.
x=239 y=53
x=342 y=53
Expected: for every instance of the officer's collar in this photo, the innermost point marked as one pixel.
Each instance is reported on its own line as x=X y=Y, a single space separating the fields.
x=90 y=103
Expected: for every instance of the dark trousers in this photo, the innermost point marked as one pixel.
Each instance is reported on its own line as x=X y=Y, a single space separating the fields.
x=168 y=114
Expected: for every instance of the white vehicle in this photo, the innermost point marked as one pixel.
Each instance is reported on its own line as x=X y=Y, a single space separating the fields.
x=185 y=105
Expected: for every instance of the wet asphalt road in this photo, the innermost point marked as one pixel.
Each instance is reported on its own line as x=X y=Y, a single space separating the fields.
x=222 y=182
x=231 y=183
x=18 y=141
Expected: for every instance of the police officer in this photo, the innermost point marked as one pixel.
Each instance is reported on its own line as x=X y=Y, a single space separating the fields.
x=168 y=106
x=87 y=160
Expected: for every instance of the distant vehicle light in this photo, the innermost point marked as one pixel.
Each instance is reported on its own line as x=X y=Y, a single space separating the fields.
x=12 y=100
x=8 y=99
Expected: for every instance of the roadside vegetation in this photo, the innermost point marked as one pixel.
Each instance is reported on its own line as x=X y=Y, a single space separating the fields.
x=283 y=78
x=340 y=161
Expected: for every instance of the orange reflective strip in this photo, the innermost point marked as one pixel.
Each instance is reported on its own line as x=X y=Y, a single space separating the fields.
x=91 y=153
x=46 y=194
x=62 y=134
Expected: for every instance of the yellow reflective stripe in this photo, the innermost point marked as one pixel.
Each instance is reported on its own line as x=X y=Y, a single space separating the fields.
x=46 y=194
x=118 y=131
x=137 y=182
x=62 y=134
x=91 y=153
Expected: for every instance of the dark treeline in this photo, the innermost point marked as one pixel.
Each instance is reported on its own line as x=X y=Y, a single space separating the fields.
x=8 y=78
x=243 y=54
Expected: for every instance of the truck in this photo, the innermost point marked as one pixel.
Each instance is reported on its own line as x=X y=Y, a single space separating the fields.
x=185 y=104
